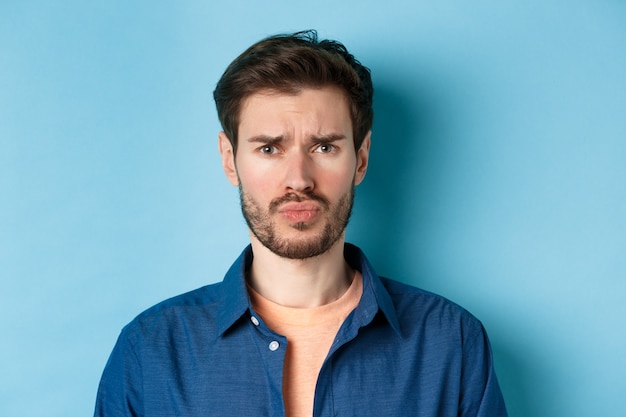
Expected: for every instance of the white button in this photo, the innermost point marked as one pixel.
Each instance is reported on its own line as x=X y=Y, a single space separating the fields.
x=274 y=345
x=254 y=320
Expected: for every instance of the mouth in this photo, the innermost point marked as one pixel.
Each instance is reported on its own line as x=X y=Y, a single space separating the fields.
x=299 y=212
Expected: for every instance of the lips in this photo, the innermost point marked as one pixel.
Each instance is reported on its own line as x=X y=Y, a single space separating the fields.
x=299 y=212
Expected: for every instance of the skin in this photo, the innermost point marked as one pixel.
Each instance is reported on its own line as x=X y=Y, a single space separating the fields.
x=296 y=167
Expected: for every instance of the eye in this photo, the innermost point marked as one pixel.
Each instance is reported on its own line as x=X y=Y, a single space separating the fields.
x=268 y=149
x=325 y=148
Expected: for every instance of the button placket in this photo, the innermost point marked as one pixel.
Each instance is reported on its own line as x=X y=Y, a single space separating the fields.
x=274 y=345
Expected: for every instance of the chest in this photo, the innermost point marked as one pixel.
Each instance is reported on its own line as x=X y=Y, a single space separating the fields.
x=373 y=374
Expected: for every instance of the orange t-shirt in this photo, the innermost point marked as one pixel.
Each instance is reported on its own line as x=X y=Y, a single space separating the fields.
x=310 y=333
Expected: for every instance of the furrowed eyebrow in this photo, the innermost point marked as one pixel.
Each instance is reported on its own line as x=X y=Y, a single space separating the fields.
x=328 y=138
x=271 y=140
x=264 y=139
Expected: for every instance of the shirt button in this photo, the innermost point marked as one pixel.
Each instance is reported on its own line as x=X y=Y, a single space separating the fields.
x=254 y=320
x=274 y=345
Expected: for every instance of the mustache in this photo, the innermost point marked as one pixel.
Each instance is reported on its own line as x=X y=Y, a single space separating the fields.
x=298 y=198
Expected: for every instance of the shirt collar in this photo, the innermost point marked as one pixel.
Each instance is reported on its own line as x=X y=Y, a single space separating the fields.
x=236 y=303
x=375 y=297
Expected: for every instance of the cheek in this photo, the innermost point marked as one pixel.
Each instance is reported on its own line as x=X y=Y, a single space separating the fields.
x=256 y=184
x=339 y=170
x=336 y=182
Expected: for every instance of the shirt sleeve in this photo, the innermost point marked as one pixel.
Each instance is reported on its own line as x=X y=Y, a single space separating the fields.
x=480 y=394
x=120 y=390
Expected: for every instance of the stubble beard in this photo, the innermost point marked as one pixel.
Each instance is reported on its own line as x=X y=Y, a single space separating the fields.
x=261 y=223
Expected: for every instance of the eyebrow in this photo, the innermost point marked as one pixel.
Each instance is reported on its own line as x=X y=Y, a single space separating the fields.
x=333 y=137
x=266 y=139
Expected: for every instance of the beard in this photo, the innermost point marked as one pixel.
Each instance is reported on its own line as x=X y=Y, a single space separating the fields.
x=261 y=222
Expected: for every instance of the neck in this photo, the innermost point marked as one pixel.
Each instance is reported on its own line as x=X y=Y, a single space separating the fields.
x=300 y=283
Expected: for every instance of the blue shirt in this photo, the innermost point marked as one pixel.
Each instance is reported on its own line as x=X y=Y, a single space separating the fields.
x=401 y=352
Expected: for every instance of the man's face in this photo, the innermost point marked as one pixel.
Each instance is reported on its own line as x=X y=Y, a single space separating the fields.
x=296 y=168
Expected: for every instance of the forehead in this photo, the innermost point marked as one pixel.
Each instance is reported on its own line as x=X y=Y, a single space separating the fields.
x=323 y=110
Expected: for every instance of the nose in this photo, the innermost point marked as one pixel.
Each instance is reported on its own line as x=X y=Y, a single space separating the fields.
x=299 y=172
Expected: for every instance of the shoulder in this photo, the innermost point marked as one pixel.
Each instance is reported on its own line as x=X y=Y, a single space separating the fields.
x=411 y=304
x=425 y=311
x=402 y=292
x=203 y=296
x=180 y=311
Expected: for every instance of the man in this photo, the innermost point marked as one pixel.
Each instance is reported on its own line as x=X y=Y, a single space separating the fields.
x=301 y=324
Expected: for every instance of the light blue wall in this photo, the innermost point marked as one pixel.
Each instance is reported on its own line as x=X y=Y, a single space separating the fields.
x=498 y=178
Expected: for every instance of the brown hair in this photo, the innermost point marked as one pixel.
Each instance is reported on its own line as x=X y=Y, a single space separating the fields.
x=288 y=63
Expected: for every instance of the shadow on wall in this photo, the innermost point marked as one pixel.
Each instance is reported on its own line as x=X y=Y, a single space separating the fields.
x=384 y=218
x=395 y=203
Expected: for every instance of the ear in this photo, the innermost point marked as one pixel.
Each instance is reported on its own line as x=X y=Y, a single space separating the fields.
x=362 y=159
x=228 y=158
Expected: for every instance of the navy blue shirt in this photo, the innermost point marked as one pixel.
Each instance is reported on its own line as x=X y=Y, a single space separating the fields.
x=401 y=352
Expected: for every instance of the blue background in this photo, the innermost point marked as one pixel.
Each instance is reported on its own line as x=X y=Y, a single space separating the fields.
x=497 y=178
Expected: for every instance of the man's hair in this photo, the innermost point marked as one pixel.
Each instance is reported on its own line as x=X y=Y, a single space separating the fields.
x=287 y=64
